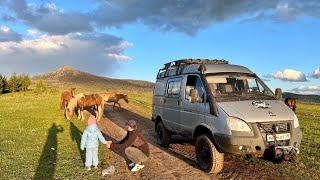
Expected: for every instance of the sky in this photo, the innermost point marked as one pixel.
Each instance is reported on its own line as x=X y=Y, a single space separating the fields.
x=132 y=39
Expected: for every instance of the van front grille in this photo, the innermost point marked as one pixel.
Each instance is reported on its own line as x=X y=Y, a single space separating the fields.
x=276 y=127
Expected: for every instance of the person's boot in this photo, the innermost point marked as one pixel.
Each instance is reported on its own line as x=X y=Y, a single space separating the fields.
x=137 y=167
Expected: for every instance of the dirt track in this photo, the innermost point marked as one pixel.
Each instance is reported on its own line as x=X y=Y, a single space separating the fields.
x=176 y=162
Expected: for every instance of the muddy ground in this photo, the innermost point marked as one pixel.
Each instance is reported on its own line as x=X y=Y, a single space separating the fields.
x=175 y=162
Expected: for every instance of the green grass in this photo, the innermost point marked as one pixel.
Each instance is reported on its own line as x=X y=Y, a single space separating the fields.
x=31 y=143
x=32 y=124
x=308 y=165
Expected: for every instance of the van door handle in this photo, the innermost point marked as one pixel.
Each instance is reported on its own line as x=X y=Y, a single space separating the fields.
x=178 y=102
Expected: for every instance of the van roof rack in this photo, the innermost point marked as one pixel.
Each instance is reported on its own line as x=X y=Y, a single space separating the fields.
x=179 y=65
x=195 y=61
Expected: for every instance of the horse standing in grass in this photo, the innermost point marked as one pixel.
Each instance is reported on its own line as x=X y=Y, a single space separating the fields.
x=72 y=105
x=292 y=103
x=66 y=96
x=93 y=101
x=115 y=98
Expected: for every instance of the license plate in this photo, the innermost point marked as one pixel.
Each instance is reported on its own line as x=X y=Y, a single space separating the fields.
x=280 y=137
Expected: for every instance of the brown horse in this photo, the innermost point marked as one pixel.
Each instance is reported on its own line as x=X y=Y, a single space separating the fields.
x=93 y=101
x=66 y=96
x=115 y=98
x=292 y=103
x=72 y=105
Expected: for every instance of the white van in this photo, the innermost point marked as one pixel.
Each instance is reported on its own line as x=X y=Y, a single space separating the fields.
x=226 y=109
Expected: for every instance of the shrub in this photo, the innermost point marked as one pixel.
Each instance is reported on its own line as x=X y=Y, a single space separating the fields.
x=19 y=83
x=3 y=84
x=40 y=87
x=25 y=82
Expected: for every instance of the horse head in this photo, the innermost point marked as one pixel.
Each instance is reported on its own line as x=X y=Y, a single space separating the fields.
x=71 y=108
x=73 y=91
x=292 y=103
x=72 y=104
x=126 y=98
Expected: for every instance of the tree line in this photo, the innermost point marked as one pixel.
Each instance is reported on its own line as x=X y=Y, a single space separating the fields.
x=15 y=83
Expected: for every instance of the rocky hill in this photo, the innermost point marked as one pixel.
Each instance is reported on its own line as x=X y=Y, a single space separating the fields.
x=67 y=76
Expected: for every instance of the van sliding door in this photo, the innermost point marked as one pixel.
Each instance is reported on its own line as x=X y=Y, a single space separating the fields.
x=172 y=104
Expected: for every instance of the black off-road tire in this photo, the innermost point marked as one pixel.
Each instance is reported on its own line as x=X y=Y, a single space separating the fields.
x=209 y=159
x=163 y=135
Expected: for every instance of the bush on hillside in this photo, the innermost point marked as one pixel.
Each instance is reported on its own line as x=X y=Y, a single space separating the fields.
x=18 y=83
x=3 y=84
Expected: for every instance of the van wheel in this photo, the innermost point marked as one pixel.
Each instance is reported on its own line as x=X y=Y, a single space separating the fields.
x=209 y=158
x=163 y=135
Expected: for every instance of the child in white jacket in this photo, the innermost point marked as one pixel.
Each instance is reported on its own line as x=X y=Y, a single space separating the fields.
x=90 y=142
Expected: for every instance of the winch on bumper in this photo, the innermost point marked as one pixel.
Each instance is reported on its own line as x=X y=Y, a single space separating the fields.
x=255 y=143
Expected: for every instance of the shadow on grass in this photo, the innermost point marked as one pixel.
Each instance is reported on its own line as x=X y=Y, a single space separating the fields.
x=76 y=134
x=47 y=161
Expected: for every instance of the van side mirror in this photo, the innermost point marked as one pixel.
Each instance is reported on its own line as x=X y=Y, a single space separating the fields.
x=194 y=95
x=278 y=93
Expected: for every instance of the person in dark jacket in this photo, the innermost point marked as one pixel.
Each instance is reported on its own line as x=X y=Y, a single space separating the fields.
x=134 y=146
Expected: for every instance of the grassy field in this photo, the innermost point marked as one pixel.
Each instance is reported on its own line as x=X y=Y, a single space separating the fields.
x=36 y=140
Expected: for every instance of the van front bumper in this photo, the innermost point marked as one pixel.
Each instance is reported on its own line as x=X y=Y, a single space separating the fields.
x=253 y=144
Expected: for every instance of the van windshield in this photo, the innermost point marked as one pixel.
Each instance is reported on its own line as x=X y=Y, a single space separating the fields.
x=235 y=86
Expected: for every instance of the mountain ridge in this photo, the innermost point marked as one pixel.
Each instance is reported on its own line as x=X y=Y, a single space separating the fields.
x=70 y=76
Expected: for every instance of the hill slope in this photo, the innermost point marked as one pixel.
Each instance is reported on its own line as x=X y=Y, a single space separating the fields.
x=67 y=76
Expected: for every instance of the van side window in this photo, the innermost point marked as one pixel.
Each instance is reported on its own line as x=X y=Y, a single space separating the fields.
x=194 y=82
x=173 y=87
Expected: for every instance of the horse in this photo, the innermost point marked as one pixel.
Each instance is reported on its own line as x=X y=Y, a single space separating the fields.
x=107 y=96
x=66 y=96
x=115 y=98
x=72 y=105
x=94 y=101
x=292 y=103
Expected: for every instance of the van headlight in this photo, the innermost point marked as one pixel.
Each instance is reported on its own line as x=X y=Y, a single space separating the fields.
x=237 y=124
x=295 y=121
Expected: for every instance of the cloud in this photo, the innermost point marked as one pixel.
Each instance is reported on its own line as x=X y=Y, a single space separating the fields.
x=289 y=10
x=307 y=90
x=7 y=18
x=187 y=16
x=315 y=74
x=48 y=18
x=288 y=75
x=190 y=16
x=89 y=52
x=33 y=32
x=6 y=34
